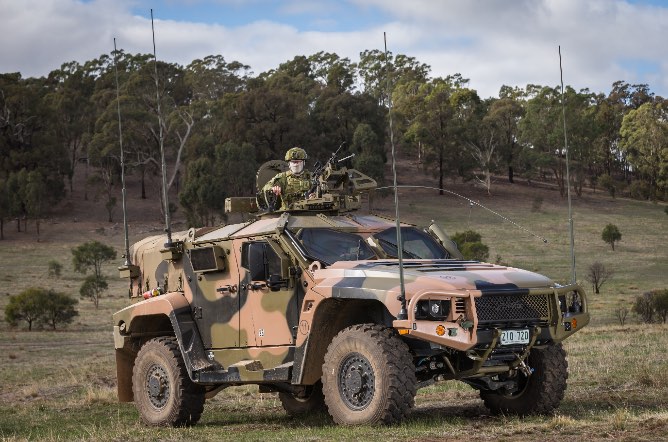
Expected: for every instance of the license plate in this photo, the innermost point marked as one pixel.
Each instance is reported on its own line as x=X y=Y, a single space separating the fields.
x=509 y=337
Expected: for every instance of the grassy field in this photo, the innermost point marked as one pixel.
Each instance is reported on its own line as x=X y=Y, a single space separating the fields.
x=60 y=385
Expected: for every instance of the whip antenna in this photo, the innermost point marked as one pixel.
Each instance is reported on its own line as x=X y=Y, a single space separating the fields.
x=168 y=228
x=403 y=313
x=128 y=261
x=568 y=178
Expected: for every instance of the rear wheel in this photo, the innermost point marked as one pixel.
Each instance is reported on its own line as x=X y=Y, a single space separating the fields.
x=539 y=393
x=163 y=392
x=312 y=401
x=368 y=376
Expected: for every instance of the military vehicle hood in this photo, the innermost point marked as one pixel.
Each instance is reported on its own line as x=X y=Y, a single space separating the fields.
x=428 y=275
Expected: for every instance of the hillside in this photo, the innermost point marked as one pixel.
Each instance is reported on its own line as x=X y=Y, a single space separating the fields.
x=61 y=385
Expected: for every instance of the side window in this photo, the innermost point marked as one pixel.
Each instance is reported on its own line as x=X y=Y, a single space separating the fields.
x=260 y=260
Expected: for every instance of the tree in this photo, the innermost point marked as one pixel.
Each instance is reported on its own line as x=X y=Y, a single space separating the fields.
x=92 y=255
x=93 y=287
x=505 y=115
x=27 y=306
x=597 y=274
x=611 y=235
x=370 y=155
x=621 y=313
x=55 y=268
x=644 y=140
x=58 y=309
x=660 y=304
x=652 y=306
x=470 y=244
x=643 y=306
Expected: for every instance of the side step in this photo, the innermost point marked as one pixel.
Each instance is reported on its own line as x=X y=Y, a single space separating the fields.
x=246 y=371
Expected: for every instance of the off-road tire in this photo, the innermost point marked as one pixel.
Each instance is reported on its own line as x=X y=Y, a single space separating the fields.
x=312 y=402
x=540 y=393
x=368 y=376
x=163 y=392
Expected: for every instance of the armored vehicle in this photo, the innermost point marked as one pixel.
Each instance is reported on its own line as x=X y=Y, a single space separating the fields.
x=308 y=302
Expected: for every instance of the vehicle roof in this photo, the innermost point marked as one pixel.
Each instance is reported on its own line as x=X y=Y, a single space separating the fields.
x=267 y=226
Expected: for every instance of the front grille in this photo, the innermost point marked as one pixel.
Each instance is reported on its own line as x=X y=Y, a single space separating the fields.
x=512 y=309
x=460 y=305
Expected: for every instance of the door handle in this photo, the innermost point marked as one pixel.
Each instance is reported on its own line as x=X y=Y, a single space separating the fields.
x=227 y=289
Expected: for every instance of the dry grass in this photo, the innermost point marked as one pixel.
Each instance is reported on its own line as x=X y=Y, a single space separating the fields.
x=61 y=385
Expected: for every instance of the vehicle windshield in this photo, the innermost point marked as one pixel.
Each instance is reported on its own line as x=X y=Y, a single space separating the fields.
x=329 y=246
x=417 y=244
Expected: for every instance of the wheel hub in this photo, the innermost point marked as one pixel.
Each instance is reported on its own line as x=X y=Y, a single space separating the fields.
x=356 y=382
x=157 y=386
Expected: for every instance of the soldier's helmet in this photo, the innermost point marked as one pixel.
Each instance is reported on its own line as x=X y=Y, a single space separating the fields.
x=296 y=153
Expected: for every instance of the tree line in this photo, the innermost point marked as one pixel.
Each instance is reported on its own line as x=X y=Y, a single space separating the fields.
x=217 y=122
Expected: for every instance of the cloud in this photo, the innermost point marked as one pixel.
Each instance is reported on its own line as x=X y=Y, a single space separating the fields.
x=491 y=42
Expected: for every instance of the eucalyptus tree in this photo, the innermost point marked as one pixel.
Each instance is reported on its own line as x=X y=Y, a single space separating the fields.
x=375 y=68
x=437 y=116
x=541 y=131
x=338 y=111
x=505 y=114
x=71 y=88
x=644 y=141
x=28 y=144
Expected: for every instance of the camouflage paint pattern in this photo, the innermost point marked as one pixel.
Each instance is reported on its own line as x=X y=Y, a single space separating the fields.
x=254 y=333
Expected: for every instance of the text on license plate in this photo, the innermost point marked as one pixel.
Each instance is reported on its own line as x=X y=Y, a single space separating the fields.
x=514 y=337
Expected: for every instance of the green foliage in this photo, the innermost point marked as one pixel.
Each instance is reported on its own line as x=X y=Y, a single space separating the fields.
x=639 y=190
x=644 y=133
x=467 y=236
x=55 y=268
x=611 y=235
x=475 y=250
x=92 y=255
x=59 y=309
x=225 y=170
x=470 y=244
x=606 y=182
x=40 y=306
x=93 y=287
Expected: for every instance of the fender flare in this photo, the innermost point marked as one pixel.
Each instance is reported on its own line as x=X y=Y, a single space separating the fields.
x=176 y=308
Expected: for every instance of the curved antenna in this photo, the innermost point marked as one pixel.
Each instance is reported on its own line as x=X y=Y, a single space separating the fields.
x=128 y=260
x=168 y=228
x=403 y=313
x=471 y=204
x=568 y=178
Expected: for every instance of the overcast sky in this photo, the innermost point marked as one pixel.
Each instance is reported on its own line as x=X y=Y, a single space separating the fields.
x=491 y=42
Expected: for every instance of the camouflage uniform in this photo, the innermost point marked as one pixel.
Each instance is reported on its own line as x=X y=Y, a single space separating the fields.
x=293 y=187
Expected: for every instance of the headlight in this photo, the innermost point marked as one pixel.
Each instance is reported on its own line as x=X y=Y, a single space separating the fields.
x=433 y=309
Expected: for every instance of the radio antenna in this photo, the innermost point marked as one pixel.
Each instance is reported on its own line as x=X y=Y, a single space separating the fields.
x=163 y=166
x=403 y=313
x=128 y=260
x=568 y=178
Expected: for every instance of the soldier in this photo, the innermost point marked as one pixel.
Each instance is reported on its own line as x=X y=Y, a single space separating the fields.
x=294 y=184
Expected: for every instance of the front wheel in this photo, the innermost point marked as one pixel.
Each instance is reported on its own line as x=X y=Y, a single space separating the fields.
x=163 y=392
x=368 y=376
x=539 y=393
